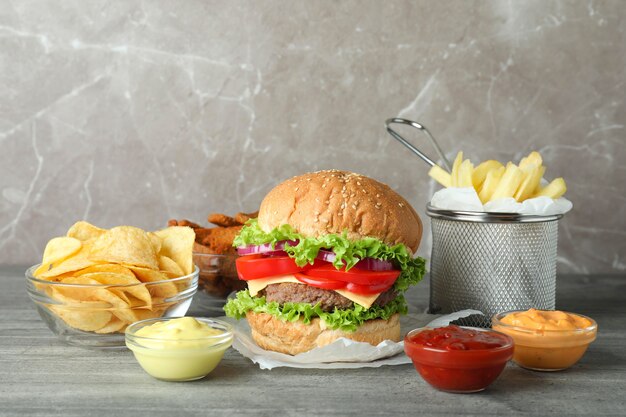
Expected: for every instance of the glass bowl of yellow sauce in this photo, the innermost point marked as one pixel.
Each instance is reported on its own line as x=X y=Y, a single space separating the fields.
x=546 y=340
x=179 y=348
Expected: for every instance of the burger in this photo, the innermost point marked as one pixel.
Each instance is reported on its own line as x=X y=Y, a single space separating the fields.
x=329 y=256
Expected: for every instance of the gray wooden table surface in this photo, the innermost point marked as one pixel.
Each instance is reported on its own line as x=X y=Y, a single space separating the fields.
x=41 y=376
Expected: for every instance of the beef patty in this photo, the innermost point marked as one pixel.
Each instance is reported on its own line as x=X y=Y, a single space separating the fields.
x=288 y=292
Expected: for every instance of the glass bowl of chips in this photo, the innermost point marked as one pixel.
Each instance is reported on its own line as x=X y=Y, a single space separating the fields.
x=92 y=283
x=94 y=308
x=218 y=275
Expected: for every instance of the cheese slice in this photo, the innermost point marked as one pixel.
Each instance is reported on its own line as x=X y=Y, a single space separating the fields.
x=256 y=285
x=364 y=300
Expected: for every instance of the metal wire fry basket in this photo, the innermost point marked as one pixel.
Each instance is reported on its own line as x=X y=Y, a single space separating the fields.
x=492 y=262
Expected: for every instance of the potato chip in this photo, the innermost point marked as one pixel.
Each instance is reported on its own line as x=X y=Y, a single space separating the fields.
x=74 y=263
x=114 y=325
x=125 y=245
x=57 y=250
x=112 y=274
x=84 y=292
x=83 y=315
x=156 y=242
x=164 y=289
x=113 y=268
x=87 y=318
x=178 y=245
x=130 y=315
x=68 y=301
x=123 y=283
x=170 y=267
x=84 y=231
x=60 y=248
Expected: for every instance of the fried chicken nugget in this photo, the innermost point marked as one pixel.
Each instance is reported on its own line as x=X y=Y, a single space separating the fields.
x=222 y=220
x=242 y=218
x=183 y=222
x=219 y=239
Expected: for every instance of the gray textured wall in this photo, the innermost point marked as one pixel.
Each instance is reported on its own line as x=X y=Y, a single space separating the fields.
x=133 y=112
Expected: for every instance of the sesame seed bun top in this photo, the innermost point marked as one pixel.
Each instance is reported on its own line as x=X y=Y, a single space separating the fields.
x=325 y=202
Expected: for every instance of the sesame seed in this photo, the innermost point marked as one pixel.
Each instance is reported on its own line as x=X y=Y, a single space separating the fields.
x=364 y=192
x=324 y=185
x=377 y=195
x=354 y=206
x=358 y=183
x=401 y=205
x=325 y=220
x=297 y=188
x=327 y=201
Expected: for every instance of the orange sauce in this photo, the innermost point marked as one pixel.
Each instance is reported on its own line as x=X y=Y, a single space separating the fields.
x=547 y=340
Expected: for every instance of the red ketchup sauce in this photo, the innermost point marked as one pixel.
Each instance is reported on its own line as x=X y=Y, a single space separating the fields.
x=458 y=359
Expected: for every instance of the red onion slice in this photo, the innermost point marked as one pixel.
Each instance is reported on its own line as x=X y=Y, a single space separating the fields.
x=367 y=264
x=265 y=248
x=377 y=265
x=326 y=255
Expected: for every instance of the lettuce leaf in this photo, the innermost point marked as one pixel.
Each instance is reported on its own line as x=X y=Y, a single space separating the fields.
x=347 y=252
x=347 y=320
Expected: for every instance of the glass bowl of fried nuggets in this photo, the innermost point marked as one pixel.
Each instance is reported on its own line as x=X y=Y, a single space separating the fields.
x=214 y=254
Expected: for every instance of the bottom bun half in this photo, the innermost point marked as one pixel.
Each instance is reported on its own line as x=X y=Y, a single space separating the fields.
x=292 y=338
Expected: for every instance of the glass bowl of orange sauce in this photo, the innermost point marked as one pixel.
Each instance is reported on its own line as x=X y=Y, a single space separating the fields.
x=546 y=340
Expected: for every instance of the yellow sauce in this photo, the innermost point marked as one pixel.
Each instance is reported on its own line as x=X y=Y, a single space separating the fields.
x=547 y=340
x=180 y=349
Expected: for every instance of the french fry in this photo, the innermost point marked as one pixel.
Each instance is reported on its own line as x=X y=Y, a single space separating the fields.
x=509 y=182
x=455 y=169
x=464 y=175
x=480 y=172
x=553 y=190
x=440 y=175
x=530 y=184
x=492 y=180
x=533 y=158
x=490 y=184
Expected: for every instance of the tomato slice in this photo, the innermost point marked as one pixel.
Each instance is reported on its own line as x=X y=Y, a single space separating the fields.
x=320 y=282
x=260 y=266
x=354 y=276
x=368 y=289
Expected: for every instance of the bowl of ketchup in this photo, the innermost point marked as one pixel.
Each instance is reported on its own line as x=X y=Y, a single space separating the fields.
x=457 y=358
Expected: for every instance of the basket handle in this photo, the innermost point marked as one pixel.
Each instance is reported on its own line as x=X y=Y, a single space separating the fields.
x=411 y=147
